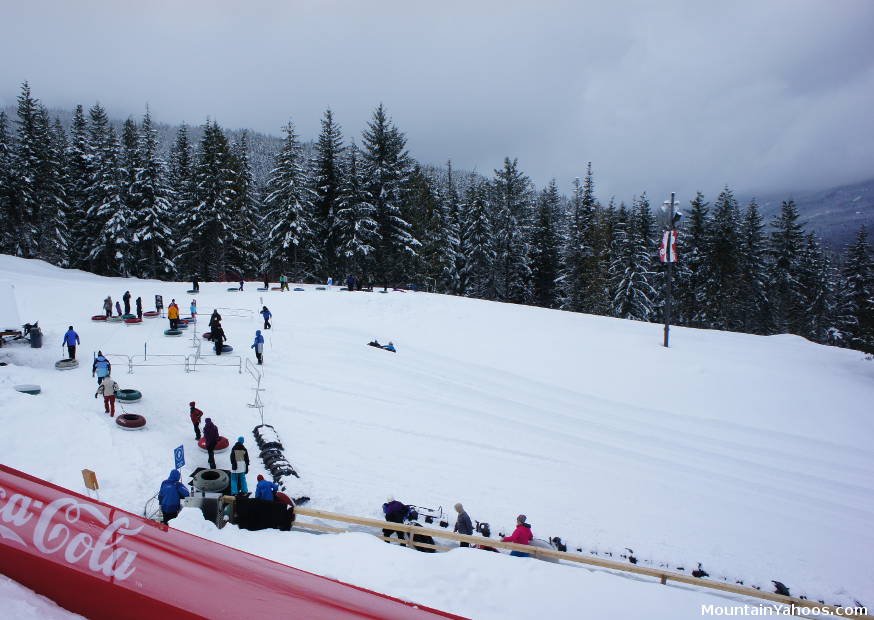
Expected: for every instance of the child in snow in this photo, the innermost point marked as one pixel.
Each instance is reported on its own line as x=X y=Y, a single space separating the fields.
x=71 y=339
x=173 y=314
x=265 y=489
x=107 y=306
x=217 y=335
x=109 y=388
x=239 y=467
x=521 y=536
x=118 y=308
x=101 y=367
x=170 y=494
x=139 y=308
x=193 y=308
x=267 y=315
x=258 y=345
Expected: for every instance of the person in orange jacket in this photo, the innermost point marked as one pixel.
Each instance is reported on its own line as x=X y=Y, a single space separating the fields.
x=173 y=314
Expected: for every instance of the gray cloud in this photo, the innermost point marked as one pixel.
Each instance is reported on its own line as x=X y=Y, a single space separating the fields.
x=760 y=94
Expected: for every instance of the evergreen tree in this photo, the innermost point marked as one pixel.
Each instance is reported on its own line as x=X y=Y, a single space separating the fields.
x=545 y=258
x=355 y=219
x=7 y=226
x=723 y=272
x=388 y=167
x=243 y=252
x=479 y=250
x=80 y=171
x=180 y=181
x=151 y=234
x=428 y=219
x=24 y=207
x=579 y=257
x=108 y=216
x=818 y=281
x=690 y=271
x=857 y=307
x=290 y=243
x=512 y=191
x=753 y=291
x=630 y=274
x=212 y=222
x=597 y=293
x=454 y=277
x=786 y=249
x=328 y=178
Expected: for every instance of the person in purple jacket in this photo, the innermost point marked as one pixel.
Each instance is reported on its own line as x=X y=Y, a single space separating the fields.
x=211 y=437
x=71 y=339
x=395 y=512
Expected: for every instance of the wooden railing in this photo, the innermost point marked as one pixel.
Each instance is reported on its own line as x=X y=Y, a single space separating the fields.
x=662 y=575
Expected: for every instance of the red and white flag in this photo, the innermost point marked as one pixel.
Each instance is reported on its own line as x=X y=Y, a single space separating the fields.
x=668 y=251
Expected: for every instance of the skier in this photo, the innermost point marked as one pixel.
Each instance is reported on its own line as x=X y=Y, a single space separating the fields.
x=140 y=308
x=211 y=435
x=173 y=314
x=395 y=512
x=126 y=299
x=107 y=306
x=521 y=536
x=463 y=524
x=195 y=414
x=258 y=345
x=71 y=339
x=265 y=489
x=239 y=467
x=193 y=308
x=169 y=495
x=118 y=308
x=101 y=367
x=109 y=388
x=217 y=335
x=267 y=315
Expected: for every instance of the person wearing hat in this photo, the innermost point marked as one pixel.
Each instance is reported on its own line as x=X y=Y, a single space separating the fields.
x=265 y=489
x=463 y=524
x=101 y=367
x=71 y=339
x=211 y=435
x=239 y=467
x=258 y=345
x=196 y=414
x=173 y=314
x=521 y=536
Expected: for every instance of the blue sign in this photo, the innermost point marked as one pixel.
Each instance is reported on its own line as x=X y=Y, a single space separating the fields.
x=179 y=456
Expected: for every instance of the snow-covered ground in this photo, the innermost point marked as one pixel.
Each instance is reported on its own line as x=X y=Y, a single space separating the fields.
x=748 y=454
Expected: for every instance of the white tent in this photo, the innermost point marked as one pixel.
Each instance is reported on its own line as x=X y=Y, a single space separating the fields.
x=8 y=307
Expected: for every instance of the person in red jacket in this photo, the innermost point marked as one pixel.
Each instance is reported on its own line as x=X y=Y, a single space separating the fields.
x=521 y=536
x=196 y=414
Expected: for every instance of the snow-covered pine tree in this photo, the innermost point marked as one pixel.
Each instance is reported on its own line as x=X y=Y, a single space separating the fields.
x=328 y=178
x=388 y=167
x=454 y=277
x=289 y=213
x=630 y=273
x=545 y=248
x=690 y=271
x=819 y=283
x=355 y=220
x=26 y=173
x=211 y=218
x=579 y=259
x=180 y=180
x=151 y=236
x=244 y=251
x=786 y=248
x=480 y=249
x=753 y=291
x=598 y=295
x=80 y=171
x=128 y=165
x=54 y=238
x=857 y=300
x=428 y=219
x=723 y=272
x=512 y=205
x=7 y=226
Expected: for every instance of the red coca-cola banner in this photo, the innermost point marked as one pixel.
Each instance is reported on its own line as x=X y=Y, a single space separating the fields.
x=103 y=562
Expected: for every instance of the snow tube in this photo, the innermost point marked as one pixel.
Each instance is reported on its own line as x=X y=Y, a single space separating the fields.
x=66 y=364
x=321 y=288
x=262 y=289
x=236 y=288
x=181 y=325
x=211 y=480
x=298 y=289
x=28 y=388
x=226 y=348
x=151 y=314
x=221 y=446
x=542 y=544
x=114 y=319
x=130 y=421
x=98 y=317
x=172 y=332
x=133 y=321
x=207 y=335
x=275 y=288
x=129 y=395
x=128 y=315
x=383 y=291
x=192 y=292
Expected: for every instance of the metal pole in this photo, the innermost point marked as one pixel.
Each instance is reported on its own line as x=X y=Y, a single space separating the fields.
x=669 y=273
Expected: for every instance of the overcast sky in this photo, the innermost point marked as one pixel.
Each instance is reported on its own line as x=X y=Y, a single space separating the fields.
x=660 y=95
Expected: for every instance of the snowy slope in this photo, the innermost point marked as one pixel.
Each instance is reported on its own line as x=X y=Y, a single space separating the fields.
x=748 y=454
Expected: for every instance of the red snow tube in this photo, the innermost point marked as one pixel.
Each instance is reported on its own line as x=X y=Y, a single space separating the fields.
x=151 y=314
x=207 y=335
x=275 y=288
x=133 y=321
x=130 y=421
x=222 y=445
x=98 y=317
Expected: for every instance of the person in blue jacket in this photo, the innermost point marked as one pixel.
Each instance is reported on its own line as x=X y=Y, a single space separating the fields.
x=172 y=491
x=71 y=339
x=266 y=314
x=266 y=489
x=258 y=345
x=101 y=367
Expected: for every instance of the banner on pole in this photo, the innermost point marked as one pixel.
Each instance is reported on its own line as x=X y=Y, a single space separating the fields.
x=179 y=456
x=668 y=249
